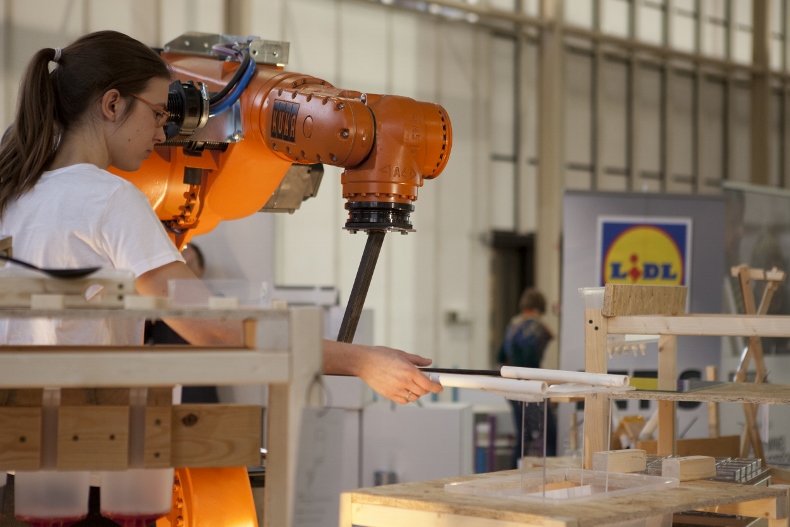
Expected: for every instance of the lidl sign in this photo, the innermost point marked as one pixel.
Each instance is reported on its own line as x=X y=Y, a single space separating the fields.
x=644 y=250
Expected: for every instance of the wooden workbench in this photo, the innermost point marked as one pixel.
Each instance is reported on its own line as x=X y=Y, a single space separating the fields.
x=427 y=504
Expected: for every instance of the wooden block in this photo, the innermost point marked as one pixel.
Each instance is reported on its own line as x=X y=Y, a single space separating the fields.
x=620 y=461
x=93 y=437
x=216 y=435
x=689 y=468
x=20 y=438
x=724 y=446
x=157 y=436
x=47 y=301
x=619 y=299
x=223 y=302
x=145 y=302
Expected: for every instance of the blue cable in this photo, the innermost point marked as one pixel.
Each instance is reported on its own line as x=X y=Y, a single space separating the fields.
x=234 y=95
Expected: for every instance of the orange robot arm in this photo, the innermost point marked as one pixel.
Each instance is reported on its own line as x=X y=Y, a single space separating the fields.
x=234 y=163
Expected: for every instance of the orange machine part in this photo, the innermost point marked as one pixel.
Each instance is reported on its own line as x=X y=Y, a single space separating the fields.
x=208 y=497
x=388 y=145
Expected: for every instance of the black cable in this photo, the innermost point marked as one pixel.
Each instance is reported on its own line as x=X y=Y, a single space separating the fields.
x=234 y=80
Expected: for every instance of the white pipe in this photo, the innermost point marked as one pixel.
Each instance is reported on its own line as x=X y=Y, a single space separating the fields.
x=484 y=382
x=595 y=379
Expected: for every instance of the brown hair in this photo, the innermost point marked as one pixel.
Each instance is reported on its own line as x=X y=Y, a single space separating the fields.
x=49 y=103
x=532 y=299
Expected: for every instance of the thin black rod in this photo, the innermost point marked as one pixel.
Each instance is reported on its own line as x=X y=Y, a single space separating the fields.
x=361 y=284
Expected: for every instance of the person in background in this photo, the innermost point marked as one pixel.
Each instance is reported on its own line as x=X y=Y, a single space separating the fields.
x=525 y=341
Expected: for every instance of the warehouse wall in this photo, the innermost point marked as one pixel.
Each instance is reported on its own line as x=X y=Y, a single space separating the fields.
x=420 y=277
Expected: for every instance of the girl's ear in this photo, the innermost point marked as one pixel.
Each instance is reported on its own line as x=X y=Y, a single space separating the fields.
x=112 y=105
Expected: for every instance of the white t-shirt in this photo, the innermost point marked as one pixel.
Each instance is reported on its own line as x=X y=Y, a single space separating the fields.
x=83 y=216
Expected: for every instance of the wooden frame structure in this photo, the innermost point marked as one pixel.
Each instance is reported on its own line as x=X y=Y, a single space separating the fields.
x=282 y=349
x=626 y=310
x=658 y=310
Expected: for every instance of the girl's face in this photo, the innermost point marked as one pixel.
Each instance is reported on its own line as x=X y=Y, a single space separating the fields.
x=133 y=140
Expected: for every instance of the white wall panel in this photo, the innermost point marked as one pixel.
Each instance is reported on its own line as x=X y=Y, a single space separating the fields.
x=740 y=132
x=137 y=18
x=681 y=134
x=614 y=115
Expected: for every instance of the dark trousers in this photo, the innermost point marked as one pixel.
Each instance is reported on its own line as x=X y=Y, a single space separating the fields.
x=529 y=430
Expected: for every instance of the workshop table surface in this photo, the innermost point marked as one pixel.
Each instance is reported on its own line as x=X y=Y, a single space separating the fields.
x=427 y=504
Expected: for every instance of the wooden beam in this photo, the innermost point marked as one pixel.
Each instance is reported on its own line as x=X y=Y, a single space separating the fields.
x=596 y=406
x=667 y=380
x=708 y=325
x=22 y=369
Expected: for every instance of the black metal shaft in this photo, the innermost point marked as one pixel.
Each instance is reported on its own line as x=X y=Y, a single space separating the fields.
x=361 y=284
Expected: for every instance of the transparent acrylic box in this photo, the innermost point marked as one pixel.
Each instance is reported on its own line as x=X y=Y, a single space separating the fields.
x=219 y=293
x=563 y=486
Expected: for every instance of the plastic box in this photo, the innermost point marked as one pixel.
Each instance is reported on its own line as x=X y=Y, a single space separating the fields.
x=49 y=496
x=569 y=485
x=200 y=293
x=136 y=496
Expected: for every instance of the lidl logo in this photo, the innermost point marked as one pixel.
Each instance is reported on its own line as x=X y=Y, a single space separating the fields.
x=644 y=252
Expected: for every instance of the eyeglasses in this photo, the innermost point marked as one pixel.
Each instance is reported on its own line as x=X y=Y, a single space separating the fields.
x=162 y=115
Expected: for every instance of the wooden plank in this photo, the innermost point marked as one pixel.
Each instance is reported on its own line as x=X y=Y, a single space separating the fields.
x=285 y=411
x=20 y=438
x=737 y=392
x=630 y=460
x=93 y=438
x=724 y=446
x=621 y=300
x=158 y=426
x=773 y=274
x=711 y=325
x=216 y=435
x=689 y=468
x=764 y=508
x=144 y=369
